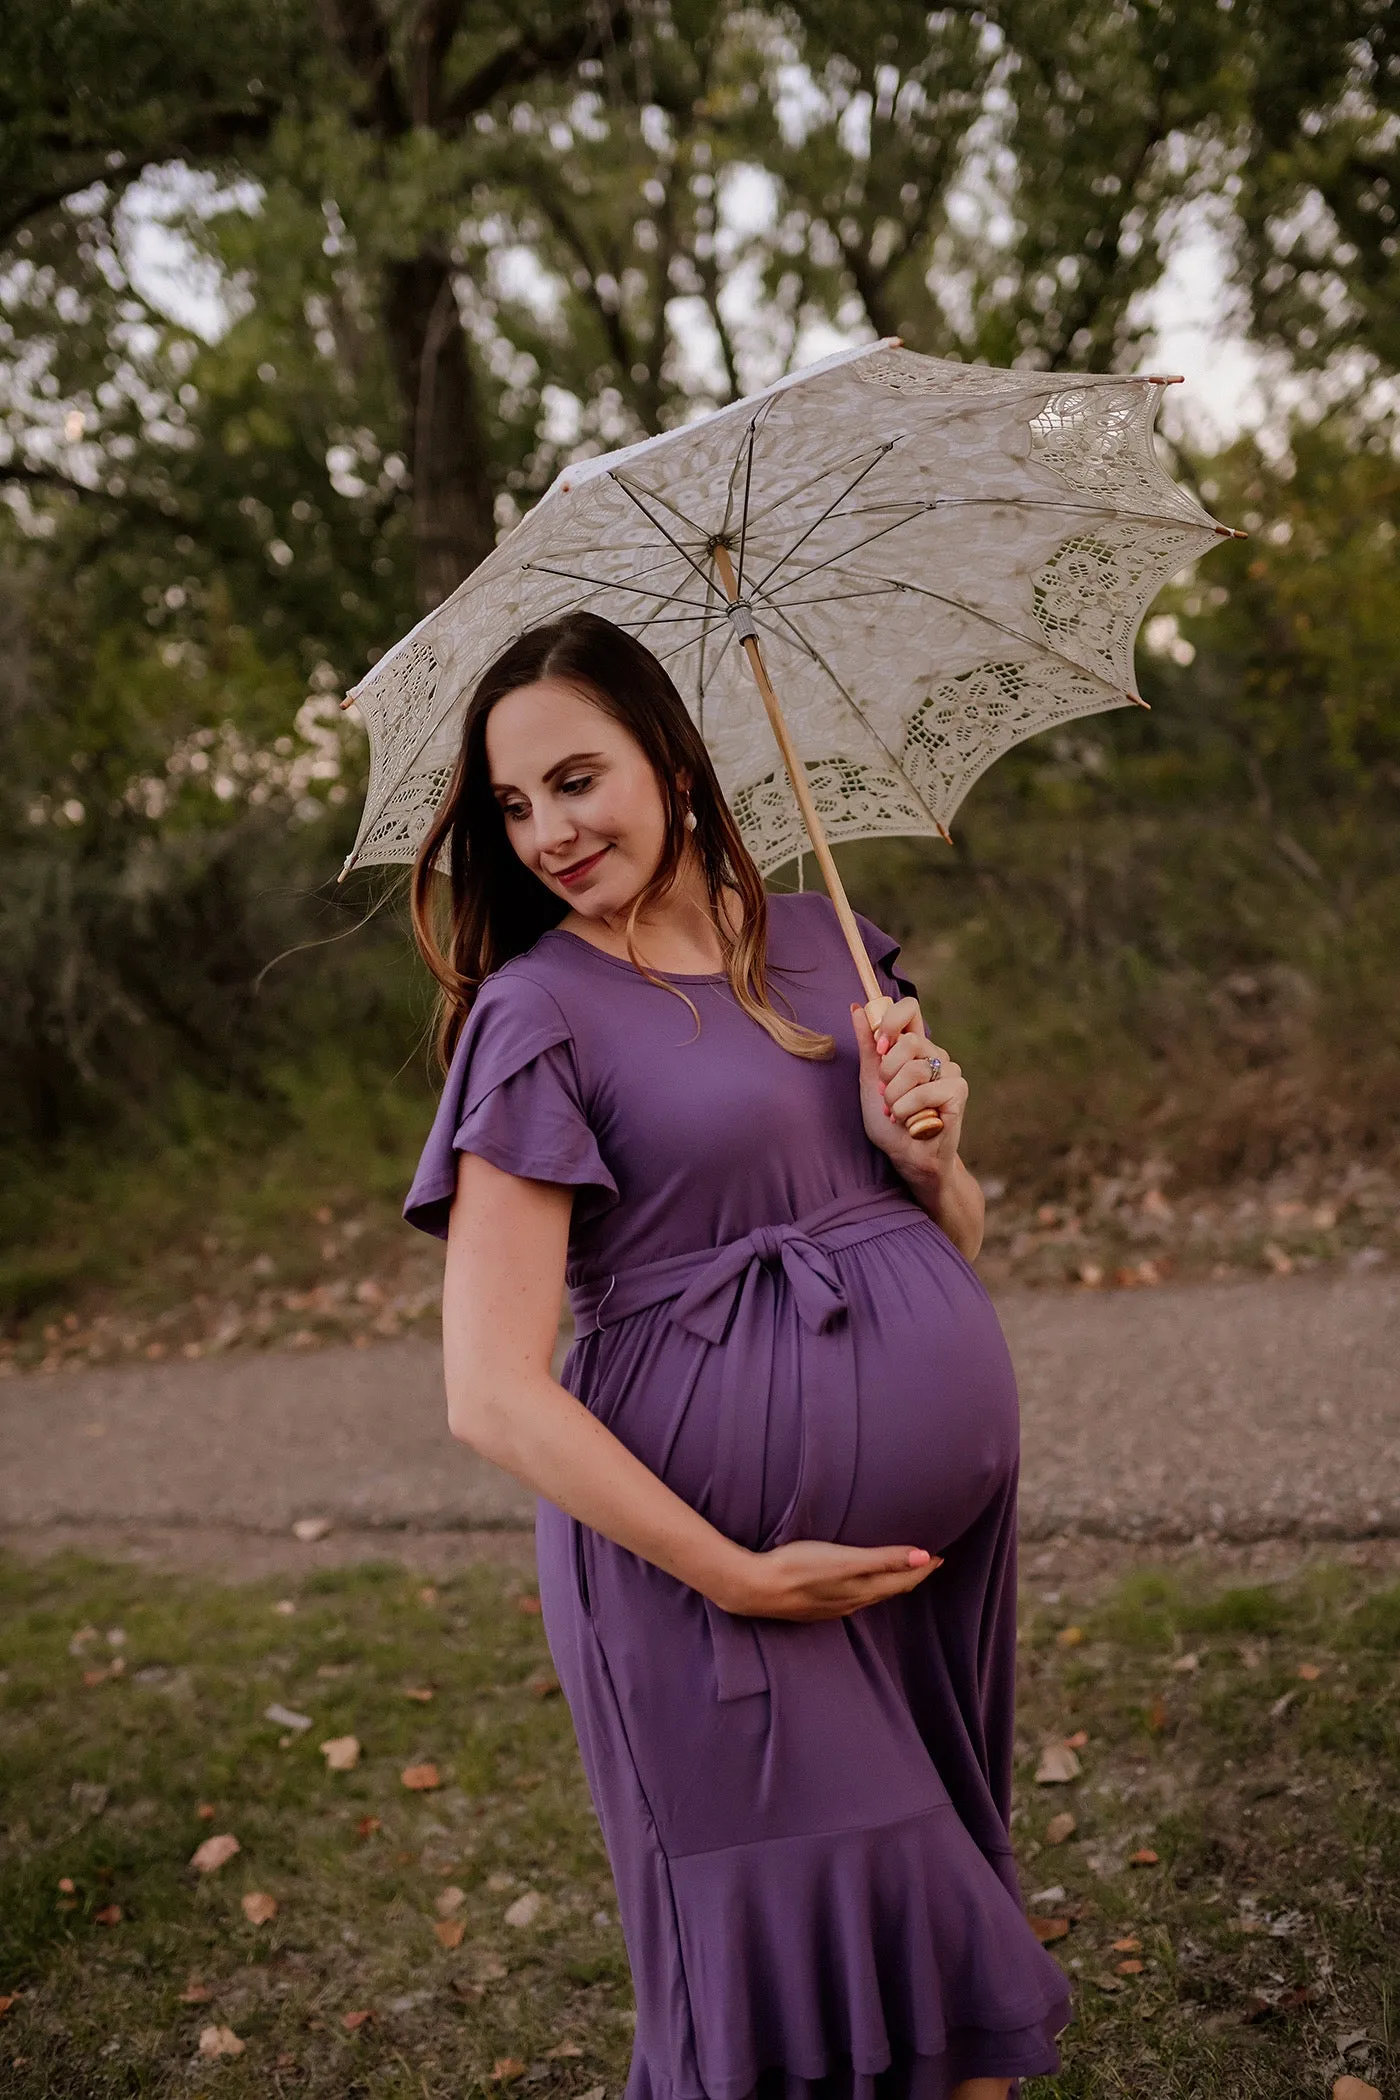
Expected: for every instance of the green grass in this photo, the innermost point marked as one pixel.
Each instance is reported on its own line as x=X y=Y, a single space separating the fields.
x=1269 y=1928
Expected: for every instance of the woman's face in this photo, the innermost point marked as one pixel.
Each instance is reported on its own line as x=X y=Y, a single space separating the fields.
x=580 y=803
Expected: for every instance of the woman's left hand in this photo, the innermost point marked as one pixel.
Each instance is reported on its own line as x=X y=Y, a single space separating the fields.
x=901 y=1072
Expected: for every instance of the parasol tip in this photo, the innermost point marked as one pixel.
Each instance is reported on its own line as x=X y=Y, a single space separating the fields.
x=1138 y=701
x=1166 y=378
x=945 y=834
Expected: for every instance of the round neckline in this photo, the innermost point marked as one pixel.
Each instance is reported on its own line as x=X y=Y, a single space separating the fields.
x=620 y=962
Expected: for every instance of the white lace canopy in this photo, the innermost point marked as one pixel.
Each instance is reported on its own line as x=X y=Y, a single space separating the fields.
x=939 y=560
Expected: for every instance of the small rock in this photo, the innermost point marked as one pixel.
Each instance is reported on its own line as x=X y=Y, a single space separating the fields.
x=220 y=2041
x=525 y=1909
x=309 y=1529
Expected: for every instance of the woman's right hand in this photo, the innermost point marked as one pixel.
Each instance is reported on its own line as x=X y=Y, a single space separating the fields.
x=813 y=1579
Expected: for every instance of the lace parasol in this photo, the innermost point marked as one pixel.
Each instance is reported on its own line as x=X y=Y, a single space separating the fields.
x=930 y=561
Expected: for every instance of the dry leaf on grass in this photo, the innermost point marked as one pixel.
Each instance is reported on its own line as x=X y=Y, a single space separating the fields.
x=195 y=1993
x=352 y=2022
x=286 y=1717
x=1069 y=1636
x=525 y=1909
x=529 y=1604
x=544 y=1684
x=259 y=1908
x=595 y=2092
x=1131 y=1944
x=366 y=1827
x=220 y=2041
x=214 y=1853
x=1309 y=1672
x=428 y=1594
x=1046 y=1929
x=1058 y=1765
x=423 y=1693
x=1060 y=1827
x=1144 y=1857
x=1186 y=1665
x=449 y=1932
x=506 y=2068
x=1349 y=2088
x=562 y=2049
x=8 y=1999
x=448 y=1900
x=206 y=1812
x=420 y=1779
x=309 y=1529
x=285 y=1607
x=341 y=1752
x=1157 y=1716
x=1077 y=1740
x=1131 y=1968
x=110 y=1914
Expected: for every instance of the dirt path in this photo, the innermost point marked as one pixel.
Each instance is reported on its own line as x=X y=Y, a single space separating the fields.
x=1241 y=1412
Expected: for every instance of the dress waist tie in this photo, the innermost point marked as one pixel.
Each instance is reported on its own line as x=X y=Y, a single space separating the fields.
x=723 y=1295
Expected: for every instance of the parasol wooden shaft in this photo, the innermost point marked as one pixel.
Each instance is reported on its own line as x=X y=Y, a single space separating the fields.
x=797 y=774
x=927 y=1123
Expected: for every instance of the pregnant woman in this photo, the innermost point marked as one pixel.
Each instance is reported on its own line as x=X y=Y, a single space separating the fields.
x=777 y=1480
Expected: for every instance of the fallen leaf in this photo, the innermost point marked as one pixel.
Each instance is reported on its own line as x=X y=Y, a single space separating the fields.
x=341 y=1752
x=220 y=2041
x=1157 y=1716
x=1108 y=1983
x=1058 y=1765
x=110 y=1914
x=309 y=1529
x=354 y=2021
x=1046 y=1929
x=1069 y=1636
x=66 y=1885
x=428 y=1594
x=507 y=2067
x=525 y=1909
x=423 y=1693
x=286 y=1717
x=420 y=1779
x=93 y=1677
x=1186 y=1664
x=1130 y=1945
x=1349 y=2088
x=206 y=1811
x=448 y=1900
x=1144 y=1857
x=83 y=1638
x=367 y=1826
x=1060 y=1827
x=214 y=1853
x=562 y=2049
x=10 y=1998
x=1309 y=1672
x=544 y=1684
x=595 y=2092
x=449 y=1932
x=284 y=1607
x=1131 y=1968
x=529 y=1604
x=195 y=1993
x=258 y=1908
x=1077 y=1740
x=500 y=1881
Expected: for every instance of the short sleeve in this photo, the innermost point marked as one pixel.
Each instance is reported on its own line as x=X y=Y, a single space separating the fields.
x=512 y=1095
x=883 y=950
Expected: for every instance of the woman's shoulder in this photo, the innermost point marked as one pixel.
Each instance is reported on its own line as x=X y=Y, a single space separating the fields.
x=802 y=925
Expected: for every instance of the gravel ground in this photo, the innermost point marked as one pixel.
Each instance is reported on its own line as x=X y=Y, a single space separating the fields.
x=1210 y=1414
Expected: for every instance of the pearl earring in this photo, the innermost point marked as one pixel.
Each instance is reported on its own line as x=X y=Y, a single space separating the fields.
x=690 y=820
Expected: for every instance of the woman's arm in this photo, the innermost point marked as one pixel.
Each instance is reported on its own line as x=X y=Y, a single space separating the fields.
x=506 y=1246
x=895 y=1083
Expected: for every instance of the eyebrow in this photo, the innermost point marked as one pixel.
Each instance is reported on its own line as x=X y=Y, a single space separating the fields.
x=575 y=758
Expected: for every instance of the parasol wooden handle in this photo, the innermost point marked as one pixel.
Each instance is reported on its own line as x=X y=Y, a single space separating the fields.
x=928 y=1122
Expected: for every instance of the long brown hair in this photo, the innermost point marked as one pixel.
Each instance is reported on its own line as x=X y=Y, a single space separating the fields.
x=495 y=908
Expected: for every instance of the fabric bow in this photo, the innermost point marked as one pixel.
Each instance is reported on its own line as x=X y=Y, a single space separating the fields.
x=707 y=1304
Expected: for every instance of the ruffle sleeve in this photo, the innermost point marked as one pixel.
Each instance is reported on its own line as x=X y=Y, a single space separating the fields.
x=883 y=950
x=511 y=1095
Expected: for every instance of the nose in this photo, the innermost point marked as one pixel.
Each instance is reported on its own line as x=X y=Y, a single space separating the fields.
x=555 y=830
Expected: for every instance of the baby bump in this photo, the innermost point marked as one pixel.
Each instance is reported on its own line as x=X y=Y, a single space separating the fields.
x=939 y=1423
x=897 y=1424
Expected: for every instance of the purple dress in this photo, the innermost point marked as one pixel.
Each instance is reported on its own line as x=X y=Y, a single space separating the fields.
x=807 y=1824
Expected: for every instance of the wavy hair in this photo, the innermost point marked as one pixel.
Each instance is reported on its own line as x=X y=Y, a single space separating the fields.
x=492 y=907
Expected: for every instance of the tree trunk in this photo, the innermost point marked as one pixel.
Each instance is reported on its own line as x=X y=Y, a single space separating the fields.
x=454 y=524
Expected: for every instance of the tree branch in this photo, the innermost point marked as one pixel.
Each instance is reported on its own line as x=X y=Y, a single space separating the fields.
x=530 y=56
x=436 y=25
x=360 y=34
